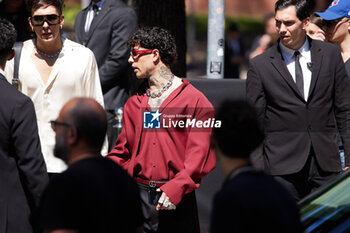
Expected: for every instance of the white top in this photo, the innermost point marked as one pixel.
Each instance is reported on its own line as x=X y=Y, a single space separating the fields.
x=74 y=74
x=2 y=72
x=304 y=59
x=90 y=14
x=89 y=18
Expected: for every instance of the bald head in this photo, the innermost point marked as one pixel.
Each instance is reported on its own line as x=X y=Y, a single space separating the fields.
x=88 y=118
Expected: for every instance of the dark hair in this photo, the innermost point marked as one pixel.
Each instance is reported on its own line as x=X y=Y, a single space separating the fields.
x=317 y=20
x=33 y=5
x=155 y=38
x=91 y=124
x=302 y=7
x=239 y=133
x=8 y=37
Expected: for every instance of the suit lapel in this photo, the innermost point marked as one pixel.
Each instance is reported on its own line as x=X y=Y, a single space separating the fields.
x=98 y=19
x=316 y=59
x=82 y=25
x=280 y=66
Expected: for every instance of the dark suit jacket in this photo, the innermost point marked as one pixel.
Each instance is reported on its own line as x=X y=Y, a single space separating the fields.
x=254 y=202
x=107 y=37
x=23 y=176
x=291 y=124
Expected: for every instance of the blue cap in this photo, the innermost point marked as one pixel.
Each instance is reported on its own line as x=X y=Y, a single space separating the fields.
x=337 y=9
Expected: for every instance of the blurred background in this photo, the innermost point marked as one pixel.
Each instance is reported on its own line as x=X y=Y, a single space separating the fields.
x=187 y=20
x=248 y=29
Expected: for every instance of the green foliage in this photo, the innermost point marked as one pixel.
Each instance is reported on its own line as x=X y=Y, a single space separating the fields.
x=201 y=22
x=245 y=24
x=69 y=12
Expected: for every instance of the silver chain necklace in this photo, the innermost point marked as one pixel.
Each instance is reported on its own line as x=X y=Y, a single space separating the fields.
x=164 y=88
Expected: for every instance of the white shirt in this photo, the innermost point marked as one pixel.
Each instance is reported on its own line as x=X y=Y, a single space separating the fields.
x=90 y=14
x=2 y=72
x=304 y=59
x=74 y=74
x=89 y=18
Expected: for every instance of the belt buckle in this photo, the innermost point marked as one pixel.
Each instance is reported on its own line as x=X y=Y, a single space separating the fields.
x=152 y=184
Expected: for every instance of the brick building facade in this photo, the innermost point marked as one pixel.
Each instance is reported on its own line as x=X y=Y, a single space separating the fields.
x=233 y=7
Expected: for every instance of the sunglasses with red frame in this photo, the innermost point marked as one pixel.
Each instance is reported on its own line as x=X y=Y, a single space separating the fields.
x=135 y=52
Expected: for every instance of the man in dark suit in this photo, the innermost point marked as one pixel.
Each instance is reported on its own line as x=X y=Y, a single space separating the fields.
x=250 y=200
x=104 y=27
x=23 y=175
x=301 y=97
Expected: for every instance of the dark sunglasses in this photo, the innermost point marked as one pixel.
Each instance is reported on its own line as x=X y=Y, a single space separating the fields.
x=139 y=51
x=38 y=20
x=55 y=124
x=330 y=23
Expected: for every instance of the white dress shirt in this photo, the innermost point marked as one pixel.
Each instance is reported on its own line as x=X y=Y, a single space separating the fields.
x=305 y=59
x=2 y=72
x=89 y=18
x=74 y=74
x=90 y=14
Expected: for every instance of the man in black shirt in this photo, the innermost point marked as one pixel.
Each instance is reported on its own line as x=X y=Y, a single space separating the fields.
x=94 y=195
x=250 y=200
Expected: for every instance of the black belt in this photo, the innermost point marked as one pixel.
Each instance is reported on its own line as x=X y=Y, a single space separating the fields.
x=150 y=183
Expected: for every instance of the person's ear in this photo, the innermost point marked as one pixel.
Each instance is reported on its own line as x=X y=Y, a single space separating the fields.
x=214 y=145
x=30 y=25
x=306 y=22
x=156 y=56
x=72 y=136
x=11 y=55
x=61 y=21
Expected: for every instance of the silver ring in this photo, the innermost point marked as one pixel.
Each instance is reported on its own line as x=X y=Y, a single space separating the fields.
x=172 y=206
x=161 y=200
x=166 y=204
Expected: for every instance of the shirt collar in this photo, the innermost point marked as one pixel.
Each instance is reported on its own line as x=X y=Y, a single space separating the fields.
x=290 y=52
x=235 y=172
x=99 y=4
x=2 y=72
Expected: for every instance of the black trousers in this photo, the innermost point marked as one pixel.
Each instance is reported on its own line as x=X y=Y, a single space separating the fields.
x=307 y=180
x=182 y=220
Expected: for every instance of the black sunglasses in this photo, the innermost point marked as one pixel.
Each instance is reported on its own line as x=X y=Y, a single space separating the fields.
x=38 y=20
x=55 y=124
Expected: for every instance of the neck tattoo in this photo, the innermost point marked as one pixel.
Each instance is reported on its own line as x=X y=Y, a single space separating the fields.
x=164 y=88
